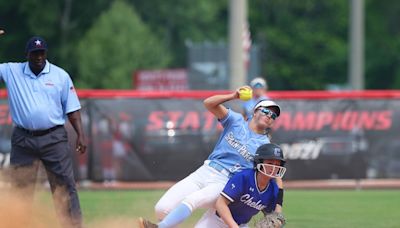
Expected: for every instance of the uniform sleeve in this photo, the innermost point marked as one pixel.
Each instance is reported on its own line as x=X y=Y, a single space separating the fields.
x=230 y=118
x=248 y=105
x=234 y=188
x=244 y=105
x=70 y=100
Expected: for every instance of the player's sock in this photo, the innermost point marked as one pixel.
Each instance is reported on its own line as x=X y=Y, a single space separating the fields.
x=176 y=216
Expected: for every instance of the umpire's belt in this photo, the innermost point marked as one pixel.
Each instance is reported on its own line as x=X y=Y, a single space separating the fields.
x=40 y=132
x=218 y=167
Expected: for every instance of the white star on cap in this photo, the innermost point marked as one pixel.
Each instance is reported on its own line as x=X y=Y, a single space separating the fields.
x=38 y=43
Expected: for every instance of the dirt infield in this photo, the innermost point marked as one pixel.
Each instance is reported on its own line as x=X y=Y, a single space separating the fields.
x=300 y=184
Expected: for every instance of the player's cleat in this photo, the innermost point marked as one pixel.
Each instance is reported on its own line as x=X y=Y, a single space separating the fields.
x=143 y=223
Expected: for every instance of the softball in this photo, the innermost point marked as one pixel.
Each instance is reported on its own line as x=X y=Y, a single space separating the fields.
x=245 y=94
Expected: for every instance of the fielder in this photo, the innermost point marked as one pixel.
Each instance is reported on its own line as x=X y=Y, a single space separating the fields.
x=249 y=192
x=233 y=152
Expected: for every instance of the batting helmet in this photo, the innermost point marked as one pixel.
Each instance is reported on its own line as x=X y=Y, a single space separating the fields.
x=269 y=151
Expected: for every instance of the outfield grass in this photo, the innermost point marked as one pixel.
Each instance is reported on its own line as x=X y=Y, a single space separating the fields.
x=125 y=206
x=367 y=208
x=308 y=208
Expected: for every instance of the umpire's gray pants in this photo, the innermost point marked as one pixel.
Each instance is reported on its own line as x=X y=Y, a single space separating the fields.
x=53 y=150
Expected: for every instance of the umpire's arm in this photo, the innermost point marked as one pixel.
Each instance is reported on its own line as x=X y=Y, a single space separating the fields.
x=76 y=121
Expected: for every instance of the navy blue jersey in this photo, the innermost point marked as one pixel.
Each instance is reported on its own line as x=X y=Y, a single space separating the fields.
x=246 y=199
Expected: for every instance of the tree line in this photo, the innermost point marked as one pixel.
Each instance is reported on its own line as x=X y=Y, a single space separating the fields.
x=304 y=44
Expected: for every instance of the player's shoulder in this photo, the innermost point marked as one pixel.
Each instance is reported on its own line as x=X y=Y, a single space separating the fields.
x=245 y=173
x=242 y=178
x=233 y=118
x=236 y=116
x=249 y=102
x=274 y=185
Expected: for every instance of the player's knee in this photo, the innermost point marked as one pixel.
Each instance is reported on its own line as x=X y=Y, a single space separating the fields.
x=161 y=210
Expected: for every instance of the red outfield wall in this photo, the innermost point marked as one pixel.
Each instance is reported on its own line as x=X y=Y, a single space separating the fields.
x=147 y=136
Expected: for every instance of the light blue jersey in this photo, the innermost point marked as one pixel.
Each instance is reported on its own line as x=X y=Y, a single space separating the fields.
x=38 y=102
x=249 y=105
x=245 y=197
x=237 y=144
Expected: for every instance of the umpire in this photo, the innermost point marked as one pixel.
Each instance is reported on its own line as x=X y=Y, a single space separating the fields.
x=41 y=95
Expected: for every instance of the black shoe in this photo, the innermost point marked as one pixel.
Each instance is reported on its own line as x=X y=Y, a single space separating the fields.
x=143 y=223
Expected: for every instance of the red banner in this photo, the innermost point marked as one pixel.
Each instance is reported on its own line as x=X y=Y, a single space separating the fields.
x=169 y=79
x=166 y=135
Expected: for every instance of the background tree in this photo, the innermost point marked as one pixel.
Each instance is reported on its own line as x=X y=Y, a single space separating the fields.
x=23 y=19
x=181 y=20
x=60 y=22
x=75 y=18
x=304 y=43
x=118 y=44
x=382 y=68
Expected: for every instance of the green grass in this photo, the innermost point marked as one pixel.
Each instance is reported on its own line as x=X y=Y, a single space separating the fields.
x=108 y=205
x=367 y=208
x=311 y=208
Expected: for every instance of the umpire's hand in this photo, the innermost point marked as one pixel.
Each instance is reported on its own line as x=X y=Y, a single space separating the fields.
x=81 y=145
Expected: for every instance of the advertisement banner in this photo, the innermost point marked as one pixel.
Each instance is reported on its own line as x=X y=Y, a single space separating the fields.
x=165 y=138
x=339 y=138
x=167 y=79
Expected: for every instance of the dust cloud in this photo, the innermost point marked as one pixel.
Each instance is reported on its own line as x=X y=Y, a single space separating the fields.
x=19 y=211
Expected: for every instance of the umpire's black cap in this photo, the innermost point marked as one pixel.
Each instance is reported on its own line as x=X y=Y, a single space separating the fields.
x=36 y=43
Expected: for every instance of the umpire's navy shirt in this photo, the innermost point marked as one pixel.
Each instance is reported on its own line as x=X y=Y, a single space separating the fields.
x=38 y=102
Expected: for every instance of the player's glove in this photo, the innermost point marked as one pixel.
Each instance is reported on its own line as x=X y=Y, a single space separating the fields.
x=271 y=220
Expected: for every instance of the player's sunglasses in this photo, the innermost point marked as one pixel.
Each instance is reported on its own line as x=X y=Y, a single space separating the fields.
x=269 y=113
